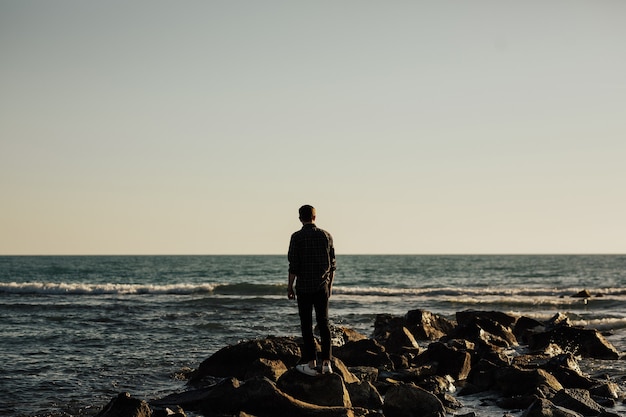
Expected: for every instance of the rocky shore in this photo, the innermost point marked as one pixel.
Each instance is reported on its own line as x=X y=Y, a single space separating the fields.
x=420 y=364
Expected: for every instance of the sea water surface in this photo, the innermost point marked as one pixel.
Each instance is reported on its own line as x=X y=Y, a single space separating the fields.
x=77 y=330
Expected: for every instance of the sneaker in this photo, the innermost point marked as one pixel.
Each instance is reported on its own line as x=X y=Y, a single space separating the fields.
x=307 y=370
x=327 y=369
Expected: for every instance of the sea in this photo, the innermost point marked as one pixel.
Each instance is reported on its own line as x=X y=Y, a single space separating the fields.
x=77 y=330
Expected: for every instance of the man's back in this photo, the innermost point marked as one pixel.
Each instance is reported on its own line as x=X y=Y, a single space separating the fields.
x=311 y=257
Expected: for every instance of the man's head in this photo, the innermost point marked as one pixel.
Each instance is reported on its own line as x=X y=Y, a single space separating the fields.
x=307 y=214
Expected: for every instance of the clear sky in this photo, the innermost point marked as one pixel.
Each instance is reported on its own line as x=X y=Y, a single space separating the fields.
x=419 y=127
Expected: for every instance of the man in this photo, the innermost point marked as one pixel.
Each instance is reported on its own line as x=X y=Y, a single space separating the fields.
x=312 y=268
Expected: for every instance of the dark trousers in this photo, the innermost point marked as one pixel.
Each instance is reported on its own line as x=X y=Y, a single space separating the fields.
x=306 y=304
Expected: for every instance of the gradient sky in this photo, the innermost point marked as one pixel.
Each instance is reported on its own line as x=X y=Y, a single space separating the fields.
x=419 y=127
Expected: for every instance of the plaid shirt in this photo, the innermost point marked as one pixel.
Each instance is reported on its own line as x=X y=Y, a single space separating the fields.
x=311 y=258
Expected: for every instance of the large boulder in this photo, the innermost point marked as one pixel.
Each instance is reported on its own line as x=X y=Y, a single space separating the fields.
x=407 y=400
x=325 y=390
x=237 y=360
x=261 y=397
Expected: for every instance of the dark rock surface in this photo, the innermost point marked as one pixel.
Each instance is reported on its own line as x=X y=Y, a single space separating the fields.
x=391 y=375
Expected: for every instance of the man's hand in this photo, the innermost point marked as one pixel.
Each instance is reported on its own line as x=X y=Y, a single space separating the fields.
x=290 y=293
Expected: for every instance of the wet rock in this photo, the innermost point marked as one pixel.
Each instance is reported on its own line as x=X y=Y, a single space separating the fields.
x=585 y=342
x=405 y=400
x=236 y=360
x=125 y=406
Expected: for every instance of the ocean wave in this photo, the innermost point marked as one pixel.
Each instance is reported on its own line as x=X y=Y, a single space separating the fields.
x=449 y=294
x=105 y=288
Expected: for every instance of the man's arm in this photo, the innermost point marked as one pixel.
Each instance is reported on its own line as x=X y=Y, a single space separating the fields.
x=290 y=292
x=330 y=283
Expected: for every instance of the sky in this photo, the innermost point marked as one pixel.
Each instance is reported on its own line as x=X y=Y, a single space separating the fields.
x=414 y=127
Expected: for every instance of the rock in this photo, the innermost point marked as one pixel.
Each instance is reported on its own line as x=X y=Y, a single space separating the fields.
x=449 y=402
x=365 y=395
x=515 y=381
x=342 y=370
x=450 y=361
x=405 y=400
x=125 y=406
x=606 y=389
x=168 y=412
x=367 y=352
x=558 y=320
x=496 y=325
x=482 y=377
x=425 y=325
x=524 y=326
x=327 y=390
x=586 y=342
x=582 y=294
x=464 y=318
x=234 y=361
x=484 y=340
x=544 y=408
x=347 y=334
x=261 y=397
x=364 y=373
x=270 y=368
x=189 y=400
x=398 y=339
x=577 y=400
x=384 y=324
x=438 y=385
x=408 y=375
x=518 y=402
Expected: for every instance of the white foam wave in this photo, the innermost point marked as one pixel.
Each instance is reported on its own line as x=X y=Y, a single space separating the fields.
x=105 y=288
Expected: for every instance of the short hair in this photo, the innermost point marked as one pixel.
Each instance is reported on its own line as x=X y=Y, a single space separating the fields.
x=307 y=213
